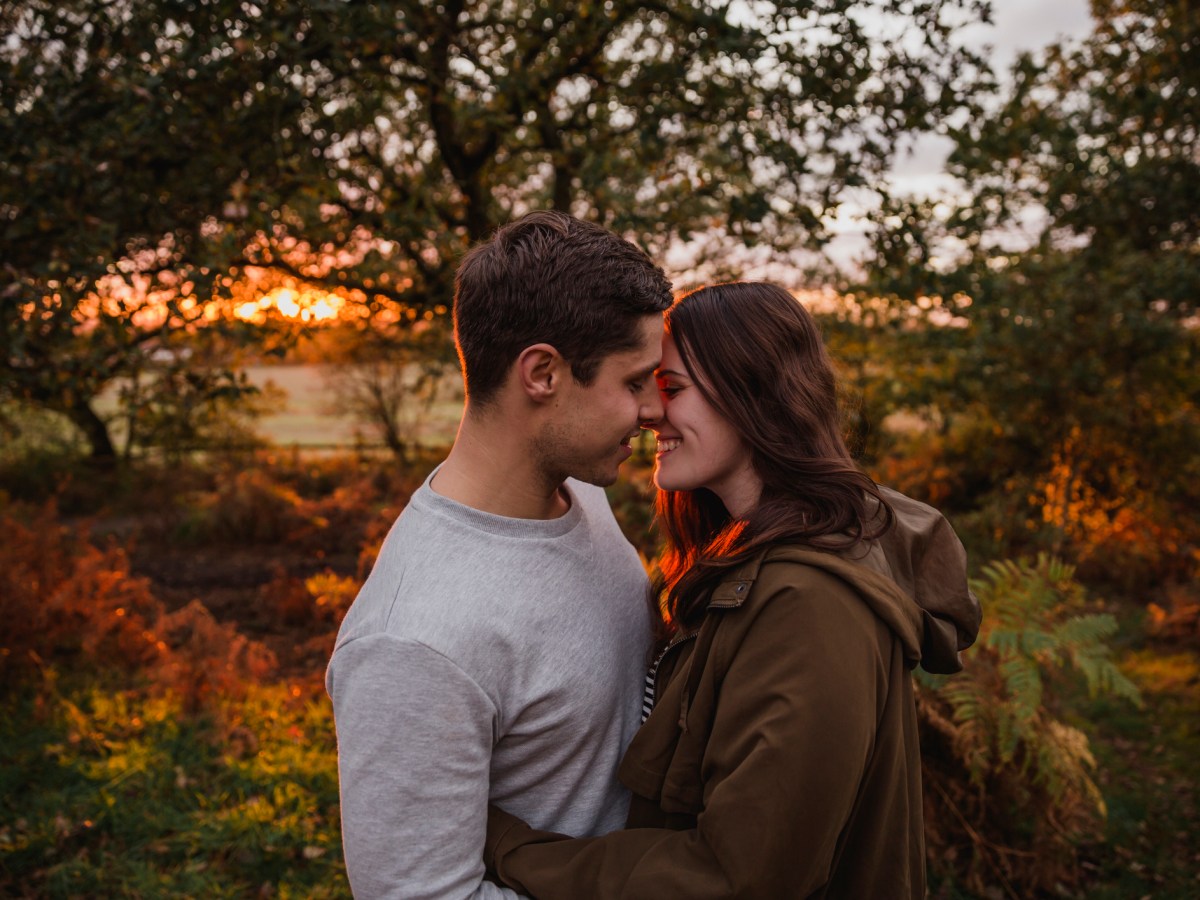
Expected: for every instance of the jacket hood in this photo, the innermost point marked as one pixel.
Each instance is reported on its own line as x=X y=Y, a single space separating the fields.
x=924 y=557
x=914 y=578
x=887 y=601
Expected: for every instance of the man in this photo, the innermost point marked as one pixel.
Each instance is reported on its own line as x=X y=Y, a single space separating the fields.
x=497 y=649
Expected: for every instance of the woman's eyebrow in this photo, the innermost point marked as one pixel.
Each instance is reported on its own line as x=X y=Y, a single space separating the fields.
x=659 y=373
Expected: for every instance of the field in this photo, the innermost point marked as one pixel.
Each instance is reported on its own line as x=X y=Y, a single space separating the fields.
x=306 y=413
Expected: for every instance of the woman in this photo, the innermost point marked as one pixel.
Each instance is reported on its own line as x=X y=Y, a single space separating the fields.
x=780 y=758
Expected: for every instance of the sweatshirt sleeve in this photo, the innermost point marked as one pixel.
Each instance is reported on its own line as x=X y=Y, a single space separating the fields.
x=414 y=751
x=790 y=742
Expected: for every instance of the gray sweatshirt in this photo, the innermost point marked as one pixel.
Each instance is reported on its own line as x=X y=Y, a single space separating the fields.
x=485 y=659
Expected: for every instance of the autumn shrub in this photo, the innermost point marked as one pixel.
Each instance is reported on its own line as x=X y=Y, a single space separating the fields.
x=1177 y=618
x=322 y=507
x=67 y=602
x=202 y=658
x=375 y=532
x=334 y=524
x=916 y=465
x=1008 y=780
x=318 y=602
x=332 y=594
x=314 y=476
x=312 y=608
x=1096 y=510
x=63 y=598
x=249 y=506
x=364 y=508
x=1088 y=500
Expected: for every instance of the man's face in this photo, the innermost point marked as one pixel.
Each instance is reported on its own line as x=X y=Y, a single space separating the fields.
x=588 y=436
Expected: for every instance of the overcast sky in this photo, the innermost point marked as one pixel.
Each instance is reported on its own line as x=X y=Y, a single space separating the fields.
x=1018 y=25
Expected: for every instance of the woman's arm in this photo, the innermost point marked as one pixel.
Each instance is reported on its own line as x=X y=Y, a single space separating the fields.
x=792 y=736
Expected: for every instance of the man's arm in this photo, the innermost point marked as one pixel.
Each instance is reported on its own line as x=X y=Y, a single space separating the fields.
x=414 y=751
x=792 y=735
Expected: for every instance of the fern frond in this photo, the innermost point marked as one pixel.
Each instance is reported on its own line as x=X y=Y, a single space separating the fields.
x=1034 y=641
x=1065 y=761
x=1104 y=678
x=1034 y=625
x=1023 y=683
x=1085 y=631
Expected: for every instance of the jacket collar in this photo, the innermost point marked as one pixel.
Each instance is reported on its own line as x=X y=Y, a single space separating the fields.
x=732 y=591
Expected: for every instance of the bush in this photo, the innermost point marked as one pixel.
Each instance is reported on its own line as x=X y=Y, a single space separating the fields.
x=1009 y=792
x=249 y=507
x=632 y=501
x=318 y=601
x=202 y=659
x=322 y=507
x=61 y=597
x=916 y=465
x=66 y=601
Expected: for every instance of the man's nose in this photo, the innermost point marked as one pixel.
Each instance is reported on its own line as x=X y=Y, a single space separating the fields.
x=651 y=412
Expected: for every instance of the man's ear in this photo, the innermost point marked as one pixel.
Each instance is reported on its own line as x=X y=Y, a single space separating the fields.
x=540 y=371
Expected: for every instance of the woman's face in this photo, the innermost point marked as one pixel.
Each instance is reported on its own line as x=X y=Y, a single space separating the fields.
x=697 y=446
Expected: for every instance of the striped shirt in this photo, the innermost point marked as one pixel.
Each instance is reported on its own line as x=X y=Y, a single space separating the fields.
x=648 y=692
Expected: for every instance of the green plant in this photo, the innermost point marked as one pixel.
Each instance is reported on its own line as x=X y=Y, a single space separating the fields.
x=1009 y=780
x=110 y=792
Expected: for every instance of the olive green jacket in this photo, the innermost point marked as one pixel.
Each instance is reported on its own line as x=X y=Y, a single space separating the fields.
x=781 y=759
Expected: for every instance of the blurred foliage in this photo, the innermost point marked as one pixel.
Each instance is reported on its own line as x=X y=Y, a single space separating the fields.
x=151 y=750
x=1044 y=331
x=166 y=733
x=155 y=155
x=632 y=501
x=65 y=600
x=1047 y=398
x=389 y=380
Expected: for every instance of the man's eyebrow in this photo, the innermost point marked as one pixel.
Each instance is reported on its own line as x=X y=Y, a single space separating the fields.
x=644 y=373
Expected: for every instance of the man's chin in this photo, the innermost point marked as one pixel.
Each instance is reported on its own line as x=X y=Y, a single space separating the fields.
x=598 y=479
x=601 y=477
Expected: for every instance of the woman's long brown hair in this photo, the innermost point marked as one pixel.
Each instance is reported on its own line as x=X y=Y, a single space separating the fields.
x=756 y=355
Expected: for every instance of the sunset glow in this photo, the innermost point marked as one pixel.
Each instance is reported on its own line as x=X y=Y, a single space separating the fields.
x=304 y=304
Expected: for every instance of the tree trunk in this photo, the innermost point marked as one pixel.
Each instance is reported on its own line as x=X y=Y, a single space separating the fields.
x=95 y=430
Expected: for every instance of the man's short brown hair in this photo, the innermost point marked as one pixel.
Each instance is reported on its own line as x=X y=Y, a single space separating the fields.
x=551 y=278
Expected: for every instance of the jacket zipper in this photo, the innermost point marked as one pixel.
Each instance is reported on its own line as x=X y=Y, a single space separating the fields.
x=671 y=645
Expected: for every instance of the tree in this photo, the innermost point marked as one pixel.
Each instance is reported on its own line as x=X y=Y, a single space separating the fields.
x=363 y=147
x=126 y=136
x=659 y=120
x=389 y=384
x=1074 y=371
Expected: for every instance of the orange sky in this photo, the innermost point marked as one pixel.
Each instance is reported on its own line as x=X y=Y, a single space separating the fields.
x=303 y=303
